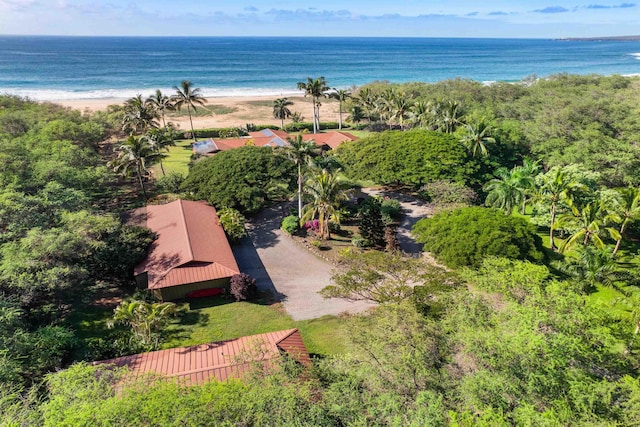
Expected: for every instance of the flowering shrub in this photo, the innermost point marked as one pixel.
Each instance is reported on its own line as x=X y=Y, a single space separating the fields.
x=312 y=225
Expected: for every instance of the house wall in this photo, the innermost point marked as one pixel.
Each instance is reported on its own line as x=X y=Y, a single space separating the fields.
x=180 y=292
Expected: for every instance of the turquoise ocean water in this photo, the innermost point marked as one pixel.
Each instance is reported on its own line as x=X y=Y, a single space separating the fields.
x=55 y=68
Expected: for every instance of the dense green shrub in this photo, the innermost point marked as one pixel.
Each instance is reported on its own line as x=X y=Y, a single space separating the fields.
x=371 y=226
x=233 y=223
x=170 y=183
x=233 y=132
x=464 y=237
x=443 y=193
x=407 y=158
x=246 y=178
x=391 y=210
x=290 y=224
x=297 y=127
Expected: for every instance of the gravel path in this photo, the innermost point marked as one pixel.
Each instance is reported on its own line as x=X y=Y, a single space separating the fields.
x=413 y=209
x=290 y=272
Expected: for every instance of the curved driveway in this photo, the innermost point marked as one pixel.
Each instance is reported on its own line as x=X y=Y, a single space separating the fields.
x=290 y=272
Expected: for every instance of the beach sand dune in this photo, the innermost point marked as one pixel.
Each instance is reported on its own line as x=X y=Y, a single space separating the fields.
x=226 y=111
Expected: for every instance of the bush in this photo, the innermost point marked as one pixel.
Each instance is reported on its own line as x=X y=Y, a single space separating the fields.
x=218 y=133
x=233 y=223
x=391 y=210
x=243 y=287
x=358 y=242
x=290 y=224
x=444 y=193
x=170 y=183
x=243 y=178
x=371 y=225
x=297 y=127
x=464 y=237
x=407 y=158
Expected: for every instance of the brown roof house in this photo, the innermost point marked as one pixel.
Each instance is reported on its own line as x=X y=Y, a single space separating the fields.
x=217 y=360
x=191 y=251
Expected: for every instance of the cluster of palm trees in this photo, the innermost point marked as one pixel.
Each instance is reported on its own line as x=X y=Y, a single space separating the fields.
x=317 y=88
x=147 y=142
x=587 y=221
x=322 y=187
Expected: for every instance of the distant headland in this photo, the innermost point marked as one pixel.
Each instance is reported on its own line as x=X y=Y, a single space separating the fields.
x=602 y=39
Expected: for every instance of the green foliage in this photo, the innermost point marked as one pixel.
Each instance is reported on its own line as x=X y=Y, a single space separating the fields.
x=233 y=132
x=448 y=194
x=407 y=158
x=464 y=237
x=383 y=277
x=371 y=225
x=170 y=183
x=233 y=223
x=290 y=224
x=147 y=320
x=241 y=179
x=391 y=210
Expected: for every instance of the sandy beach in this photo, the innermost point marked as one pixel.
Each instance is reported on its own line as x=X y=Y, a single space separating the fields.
x=225 y=111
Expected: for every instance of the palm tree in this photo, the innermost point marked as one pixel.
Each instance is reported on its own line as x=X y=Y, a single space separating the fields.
x=316 y=89
x=138 y=116
x=477 y=136
x=341 y=95
x=588 y=225
x=626 y=211
x=526 y=177
x=326 y=192
x=159 y=140
x=449 y=116
x=300 y=152
x=367 y=101
x=189 y=96
x=504 y=192
x=421 y=114
x=591 y=266
x=161 y=103
x=400 y=107
x=145 y=319
x=556 y=187
x=135 y=153
x=281 y=110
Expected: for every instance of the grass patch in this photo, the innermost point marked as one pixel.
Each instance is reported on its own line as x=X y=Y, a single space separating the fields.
x=260 y=103
x=221 y=110
x=358 y=133
x=200 y=112
x=177 y=160
x=216 y=319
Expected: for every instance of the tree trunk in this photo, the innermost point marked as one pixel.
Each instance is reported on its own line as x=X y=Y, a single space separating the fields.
x=299 y=191
x=615 y=250
x=193 y=132
x=315 y=128
x=282 y=123
x=162 y=168
x=139 y=173
x=340 y=116
x=553 y=218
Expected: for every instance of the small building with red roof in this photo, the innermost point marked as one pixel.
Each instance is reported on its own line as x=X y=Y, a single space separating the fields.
x=221 y=361
x=191 y=251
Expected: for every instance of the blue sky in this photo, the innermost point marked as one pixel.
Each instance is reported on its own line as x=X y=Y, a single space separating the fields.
x=413 y=18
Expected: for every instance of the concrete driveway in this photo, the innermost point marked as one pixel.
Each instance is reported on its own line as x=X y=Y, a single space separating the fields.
x=290 y=272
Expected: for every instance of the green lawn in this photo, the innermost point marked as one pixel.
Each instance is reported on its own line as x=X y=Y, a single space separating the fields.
x=178 y=159
x=216 y=319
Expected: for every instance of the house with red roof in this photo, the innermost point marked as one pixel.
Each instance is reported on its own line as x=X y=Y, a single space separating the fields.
x=272 y=138
x=221 y=361
x=191 y=252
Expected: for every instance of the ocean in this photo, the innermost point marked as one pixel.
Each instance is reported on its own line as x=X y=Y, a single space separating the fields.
x=59 y=68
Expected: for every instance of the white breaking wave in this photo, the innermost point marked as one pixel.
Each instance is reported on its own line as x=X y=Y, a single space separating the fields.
x=65 y=95
x=636 y=55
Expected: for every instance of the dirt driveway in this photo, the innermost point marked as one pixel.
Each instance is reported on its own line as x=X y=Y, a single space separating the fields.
x=290 y=272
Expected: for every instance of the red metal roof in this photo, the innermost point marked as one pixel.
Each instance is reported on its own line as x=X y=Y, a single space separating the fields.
x=191 y=245
x=216 y=360
x=332 y=139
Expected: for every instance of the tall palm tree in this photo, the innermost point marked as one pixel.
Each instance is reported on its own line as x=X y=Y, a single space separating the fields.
x=505 y=191
x=588 y=224
x=326 y=192
x=367 y=101
x=135 y=154
x=281 y=110
x=626 y=211
x=341 y=95
x=300 y=152
x=555 y=188
x=189 y=96
x=421 y=114
x=527 y=173
x=449 y=116
x=316 y=89
x=160 y=140
x=591 y=266
x=400 y=107
x=476 y=137
x=161 y=103
x=138 y=116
